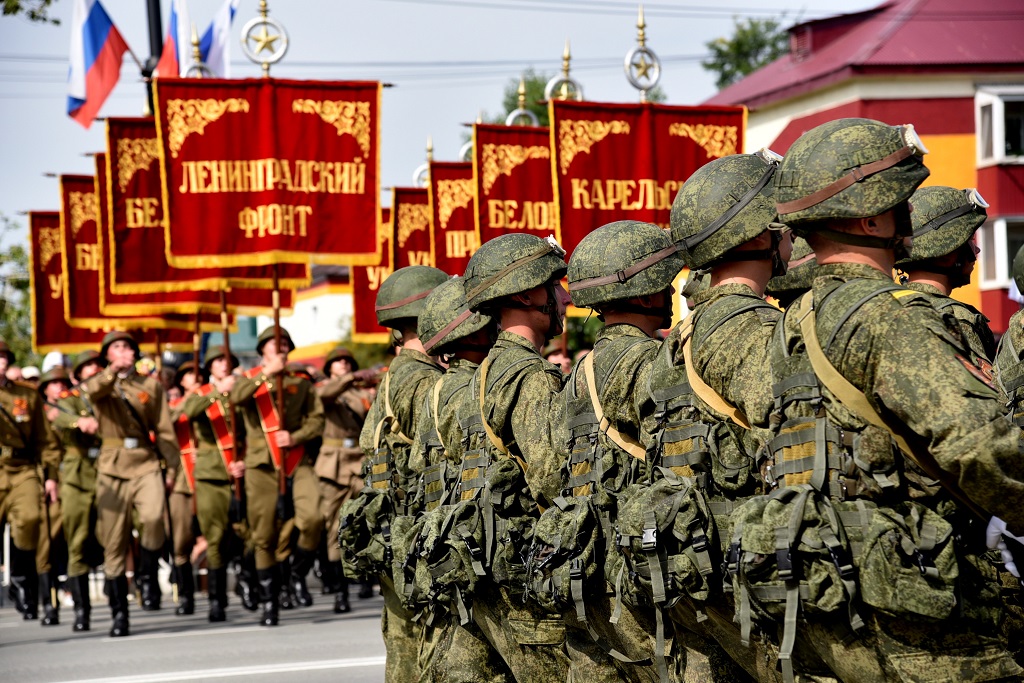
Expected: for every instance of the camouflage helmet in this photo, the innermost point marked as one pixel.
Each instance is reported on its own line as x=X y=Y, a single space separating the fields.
x=511 y=264
x=119 y=335
x=1018 y=269
x=84 y=358
x=337 y=353
x=944 y=219
x=268 y=334
x=5 y=350
x=799 y=276
x=724 y=204
x=622 y=260
x=215 y=352
x=849 y=168
x=401 y=295
x=446 y=317
x=54 y=374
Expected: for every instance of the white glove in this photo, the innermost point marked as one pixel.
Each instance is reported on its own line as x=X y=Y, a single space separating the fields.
x=995 y=535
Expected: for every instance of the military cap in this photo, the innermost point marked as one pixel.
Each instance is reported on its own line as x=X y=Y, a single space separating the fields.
x=622 y=260
x=511 y=264
x=337 y=353
x=268 y=334
x=185 y=368
x=54 y=374
x=723 y=205
x=215 y=352
x=446 y=317
x=119 y=335
x=400 y=297
x=944 y=219
x=849 y=168
x=6 y=350
x=86 y=357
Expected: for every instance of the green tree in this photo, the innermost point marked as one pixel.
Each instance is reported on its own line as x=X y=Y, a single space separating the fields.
x=15 y=307
x=754 y=43
x=34 y=10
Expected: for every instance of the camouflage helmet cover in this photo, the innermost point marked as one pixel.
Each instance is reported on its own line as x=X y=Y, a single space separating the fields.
x=1018 y=269
x=622 y=260
x=849 y=168
x=268 y=334
x=511 y=264
x=724 y=204
x=944 y=219
x=401 y=295
x=446 y=317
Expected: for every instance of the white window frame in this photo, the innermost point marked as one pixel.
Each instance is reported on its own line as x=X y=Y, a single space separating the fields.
x=998 y=230
x=995 y=96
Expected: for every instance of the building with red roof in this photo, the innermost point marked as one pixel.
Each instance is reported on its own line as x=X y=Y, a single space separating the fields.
x=952 y=68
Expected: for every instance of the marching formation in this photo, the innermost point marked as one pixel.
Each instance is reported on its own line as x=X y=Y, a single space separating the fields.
x=824 y=489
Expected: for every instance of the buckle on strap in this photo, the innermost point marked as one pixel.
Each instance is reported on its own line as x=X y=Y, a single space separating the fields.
x=649 y=541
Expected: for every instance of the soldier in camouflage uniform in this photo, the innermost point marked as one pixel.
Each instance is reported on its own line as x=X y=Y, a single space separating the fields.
x=451 y=652
x=270 y=514
x=26 y=444
x=76 y=425
x=53 y=384
x=624 y=272
x=129 y=408
x=387 y=437
x=942 y=258
x=339 y=463
x=884 y=420
x=724 y=221
x=516 y=278
x=1009 y=361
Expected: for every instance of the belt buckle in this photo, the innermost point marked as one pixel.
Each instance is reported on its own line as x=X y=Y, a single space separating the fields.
x=348 y=442
x=93 y=453
x=6 y=451
x=131 y=443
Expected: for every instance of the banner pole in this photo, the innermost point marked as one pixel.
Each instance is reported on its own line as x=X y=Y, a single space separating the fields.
x=226 y=333
x=282 y=481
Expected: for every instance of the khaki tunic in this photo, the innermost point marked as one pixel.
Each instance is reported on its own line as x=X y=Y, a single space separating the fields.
x=77 y=480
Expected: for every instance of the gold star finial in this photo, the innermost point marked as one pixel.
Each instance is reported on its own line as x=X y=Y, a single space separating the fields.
x=264 y=41
x=643 y=68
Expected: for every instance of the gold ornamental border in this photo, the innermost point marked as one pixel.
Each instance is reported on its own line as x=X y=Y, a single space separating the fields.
x=716 y=141
x=134 y=155
x=411 y=218
x=451 y=196
x=578 y=137
x=185 y=117
x=499 y=160
x=348 y=117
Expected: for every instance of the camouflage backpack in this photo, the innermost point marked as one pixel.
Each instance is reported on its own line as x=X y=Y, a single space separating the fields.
x=1011 y=378
x=438 y=483
x=364 y=534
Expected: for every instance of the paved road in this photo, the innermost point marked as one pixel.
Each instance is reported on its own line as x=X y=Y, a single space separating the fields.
x=311 y=645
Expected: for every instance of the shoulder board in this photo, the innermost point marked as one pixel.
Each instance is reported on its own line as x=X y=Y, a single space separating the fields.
x=65 y=394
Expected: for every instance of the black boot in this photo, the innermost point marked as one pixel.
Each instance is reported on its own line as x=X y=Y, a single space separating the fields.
x=79 y=586
x=117 y=593
x=341 y=604
x=268 y=596
x=216 y=588
x=48 y=592
x=284 y=585
x=24 y=583
x=245 y=583
x=186 y=590
x=366 y=589
x=147 y=578
x=301 y=562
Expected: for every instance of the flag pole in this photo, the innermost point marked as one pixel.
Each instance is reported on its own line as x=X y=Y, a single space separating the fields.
x=282 y=480
x=230 y=417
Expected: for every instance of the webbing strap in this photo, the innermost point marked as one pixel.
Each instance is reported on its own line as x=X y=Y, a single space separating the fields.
x=396 y=428
x=706 y=393
x=623 y=441
x=856 y=175
x=435 y=397
x=855 y=401
x=495 y=441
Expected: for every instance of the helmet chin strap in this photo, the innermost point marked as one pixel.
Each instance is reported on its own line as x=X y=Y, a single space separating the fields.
x=779 y=265
x=555 y=326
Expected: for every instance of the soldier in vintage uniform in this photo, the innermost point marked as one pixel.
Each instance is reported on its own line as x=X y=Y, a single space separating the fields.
x=30 y=458
x=892 y=452
x=451 y=652
x=942 y=258
x=135 y=470
x=623 y=271
x=180 y=501
x=340 y=461
x=254 y=395
x=76 y=425
x=208 y=409
x=53 y=384
x=387 y=437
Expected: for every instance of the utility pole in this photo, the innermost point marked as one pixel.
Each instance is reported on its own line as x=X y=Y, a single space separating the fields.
x=156 y=46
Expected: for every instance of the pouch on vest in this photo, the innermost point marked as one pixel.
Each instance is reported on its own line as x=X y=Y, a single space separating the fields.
x=406 y=546
x=1011 y=378
x=565 y=558
x=452 y=560
x=364 y=534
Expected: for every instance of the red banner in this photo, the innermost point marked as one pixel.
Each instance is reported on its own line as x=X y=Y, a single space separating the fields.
x=263 y=171
x=46 y=282
x=452 y=207
x=512 y=171
x=365 y=283
x=412 y=239
x=134 y=225
x=627 y=161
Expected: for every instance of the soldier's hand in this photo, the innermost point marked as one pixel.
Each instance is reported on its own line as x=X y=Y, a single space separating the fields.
x=51 y=490
x=51 y=413
x=237 y=469
x=169 y=484
x=88 y=425
x=366 y=376
x=283 y=438
x=275 y=364
x=1009 y=546
x=225 y=385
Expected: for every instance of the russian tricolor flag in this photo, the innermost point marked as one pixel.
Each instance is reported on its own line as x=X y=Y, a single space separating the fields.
x=176 y=58
x=96 y=52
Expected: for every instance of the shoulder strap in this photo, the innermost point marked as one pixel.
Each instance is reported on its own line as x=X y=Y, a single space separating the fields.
x=706 y=393
x=435 y=397
x=494 y=439
x=855 y=401
x=396 y=428
x=623 y=441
